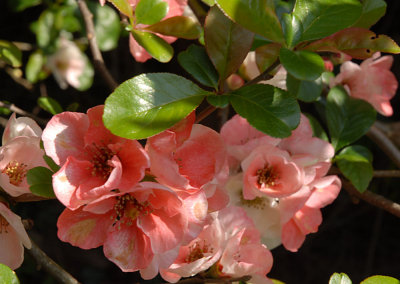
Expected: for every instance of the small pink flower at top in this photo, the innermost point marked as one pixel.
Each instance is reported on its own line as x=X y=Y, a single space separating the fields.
x=21 y=126
x=13 y=238
x=371 y=81
x=93 y=161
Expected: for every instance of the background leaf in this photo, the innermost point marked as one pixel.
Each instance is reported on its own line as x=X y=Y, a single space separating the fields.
x=372 y=11
x=10 y=53
x=154 y=45
x=150 y=103
x=34 y=66
x=149 y=12
x=379 y=279
x=40 y=181
x=7 y=276
x=266 y=55
x=179 y=26
x=341 y=278
x=50 y=105
x=307 y=91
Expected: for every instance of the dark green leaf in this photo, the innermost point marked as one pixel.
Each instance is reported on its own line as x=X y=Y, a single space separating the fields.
x=372 y=11
x=348 y=118
x=302 y=64
x=179 y=26
x=341 y=278
x=219 y=101
x=197 y=63
x=154 y=45
x=321 y=18
x=7 y=276
x=292 y=29
x=40 y=181
x=266 y=55
x=318 y=131
x=34 y=66
x=380 y=279
x=50 y=105
x=227 y=43
x=149 y=12
x=257 y=16
x=150 y=103
x=355 y=162
x=72 y=107
x=52 y=165
x=307 y=91
x=20 y=5
x=270 y=110
x=10 y=53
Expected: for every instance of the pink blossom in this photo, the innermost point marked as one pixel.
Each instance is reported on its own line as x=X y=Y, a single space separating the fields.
x=13 y=238
x=371 y=81
x=93 y=161
x=21 y=126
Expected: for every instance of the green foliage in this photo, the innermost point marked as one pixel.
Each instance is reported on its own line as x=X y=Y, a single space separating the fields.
x=292 y=29
x=307 y=91
x=154 y=45
x=318 y=131
x=372 y=11
x=267 y=55
x=227 y=43
x=34 y=66
x=86 y=78
x=124 y=7
x=379 y=279
x=50 y=105
x=40 y=182
x=150 y=103
x=20 y=5
x=355 y=162
x=348 y=118
x=339 y=278
x=220 y=101
x=179 y=26
x=10 y=54
x=7 y=276
x=150 y=11
x=270 y=110
x=197 y=63
x=52 y=165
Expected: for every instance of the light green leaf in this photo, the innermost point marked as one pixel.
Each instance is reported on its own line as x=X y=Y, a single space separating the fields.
x=10 y=53
x=40 y=182
x=86 y=78
x=45 y=30
x=355 y=162
x=257 y=16
x=149 y=12
x=150 y=103
x=321 y=18
x=7 y=276
x=372 y=11
x=270 y=110
x=179 y=26
x=154 y=45
x=50 y=105
x=34 y=66
x=348 y=118
x=379 y=279
x=124 y=7
x=209 y=2
x=307 y=91
x=341 y=278
x=302 y=64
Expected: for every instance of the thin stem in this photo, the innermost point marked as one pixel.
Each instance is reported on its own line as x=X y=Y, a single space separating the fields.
x=97 y=57
x=387 y=173
x=264 y=75
x=51 y=266
x=206 y=112
x=16 y=109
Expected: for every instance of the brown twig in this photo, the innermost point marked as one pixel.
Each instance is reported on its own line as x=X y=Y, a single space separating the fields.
x=264 y=75
x=206 y=112
x=43 y=260
x=16 y=109
x=97 y=57
x=387 y=173
x=199 y=280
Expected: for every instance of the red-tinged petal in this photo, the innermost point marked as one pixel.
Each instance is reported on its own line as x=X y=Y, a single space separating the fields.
x=325 y=191
x=384 y=62
x=159 y=196
x=308 y=220
x=183 y=128
x=292 y=238
x=63 y=136
x=83 y=229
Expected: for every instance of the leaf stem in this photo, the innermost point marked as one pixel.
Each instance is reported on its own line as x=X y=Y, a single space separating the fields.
x=16 y=109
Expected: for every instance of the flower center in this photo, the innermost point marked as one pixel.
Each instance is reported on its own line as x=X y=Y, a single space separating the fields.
x=127 y=209
x=3 y=225
x=197 y=251
x=266 y=176
x=16 y=172
x=257 y=203
x=100 y=157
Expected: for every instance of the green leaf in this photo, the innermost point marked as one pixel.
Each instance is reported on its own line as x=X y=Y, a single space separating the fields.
x=197 y=63
x=179 y=26
x=150 y=103
x=5 y=111
x=379 y=279
x=123 y=6
x=270 y=110
x=52 y=165
x=341 y=278
x=20 y=5
x=355 y=162
x=292 y=29
x=302 y=64
x=45 y=31
x=72 y=107
x=50 y=105
x=348 y=118
x=266 y=55
x=34 y=66
x=7 y=276
x=219 y=101
x=318 y=131
x=357 y=42
x=307 y=91
x=86 y=78
x=321 y=18
x=275 y=281
x=257 y=16
x=227 y=43
x=40 y=181
x=10 y=53
x=149 y=12
x=209 y=2
x=106 y=25
x=372 y=11
x=154 y=45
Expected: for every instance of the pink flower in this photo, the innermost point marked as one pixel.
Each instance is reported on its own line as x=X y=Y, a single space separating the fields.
x=13 y=238
x=21 y=126
x=371 y=81
x=93 y=161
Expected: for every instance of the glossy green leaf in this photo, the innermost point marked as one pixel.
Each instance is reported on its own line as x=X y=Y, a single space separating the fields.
x=50 y=105
x=123 y=6
x=34 y=66
x=267 y=55
x=339 y=278
x=227 y=43
x=292 y=29
x=307 y=91
x=40 y=181
x=197 y=63
x=149 y=12
x=302 y=64
x=106 y=25
x=270 y=110
x=355 y=162
x=257 y=16
x=150 y=103
x=154 y=45
x=318 y=131
x=10 y=53
x=209 y=2
x=321 y=18
x=380 y=279
x=179 y=26
x=52 y=165
x=357 y=42
x=348 y=118
x=20 y=5
x=219 y=101
x=7 y=276
x=372 y=11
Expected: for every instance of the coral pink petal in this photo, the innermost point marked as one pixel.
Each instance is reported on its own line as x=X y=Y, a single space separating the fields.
x=308 y=220
x=384 y=62
x=325 y=191
x=183 y=128
x=292 y=238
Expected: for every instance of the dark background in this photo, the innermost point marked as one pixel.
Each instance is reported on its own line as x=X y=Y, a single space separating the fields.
x=357 y=239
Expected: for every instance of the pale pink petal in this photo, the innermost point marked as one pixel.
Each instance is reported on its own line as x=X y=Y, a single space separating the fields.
x=21 y=126
x=16 y=223
x=308 y=220
x=292 y=238
x=325 y=191
x=12 y=250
